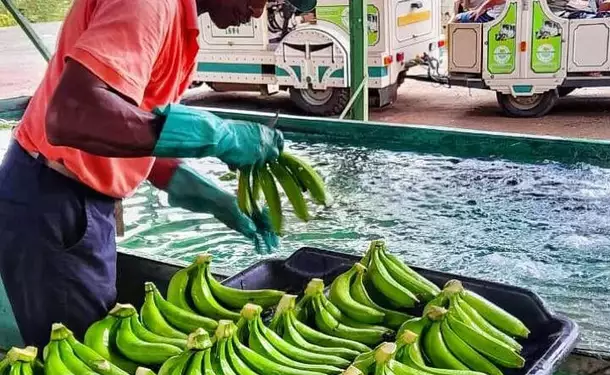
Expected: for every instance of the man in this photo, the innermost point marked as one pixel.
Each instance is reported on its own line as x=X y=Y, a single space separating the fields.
x=100 y=123
x=487 y=11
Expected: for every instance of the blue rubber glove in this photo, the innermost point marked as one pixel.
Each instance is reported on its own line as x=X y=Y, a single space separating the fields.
x=191 y=133
x=189 y=190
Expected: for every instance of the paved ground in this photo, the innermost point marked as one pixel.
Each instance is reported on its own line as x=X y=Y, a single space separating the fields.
x=582 y=114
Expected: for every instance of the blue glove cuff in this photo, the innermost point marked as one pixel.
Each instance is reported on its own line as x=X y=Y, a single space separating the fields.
x=188 y=133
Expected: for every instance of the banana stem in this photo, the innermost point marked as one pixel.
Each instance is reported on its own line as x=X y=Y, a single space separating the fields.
x=352 y=371
x=121 y=310
x=251 y=311
x=59 y=332
x=436 y=313
x=204 y=259
x=407 y=338
x=144 y=371
x=199 y=340
x=385 y=352
x=453 y=287
x=22 y=355
x=314 y=287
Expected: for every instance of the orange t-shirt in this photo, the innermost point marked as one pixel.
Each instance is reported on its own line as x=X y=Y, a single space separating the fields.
x=145 y=49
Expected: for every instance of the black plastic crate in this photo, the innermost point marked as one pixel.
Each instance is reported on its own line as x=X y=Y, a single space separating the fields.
x=552 y=336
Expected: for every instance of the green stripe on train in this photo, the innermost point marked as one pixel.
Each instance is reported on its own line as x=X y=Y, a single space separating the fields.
x=212 y=67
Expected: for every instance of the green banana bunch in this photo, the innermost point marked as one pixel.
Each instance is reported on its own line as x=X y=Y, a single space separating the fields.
x=212 y=299
x=261 y=364
x=486 y=315
x=392 y=318
x=266 y=342
x=294 y=175
x=238 y=298
x=101 y=338
x=286 y=324
x=135 y=348
x=64 y=354
x=453 y=341
x=192 y=360
x=340 y=294
x=398 y=284
x=21 y=361
x=183 y=320
x=409 y=353
x=318 y=311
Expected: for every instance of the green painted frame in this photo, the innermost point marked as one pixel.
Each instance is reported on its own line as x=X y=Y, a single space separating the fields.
x=416 y=138
x=436 y=139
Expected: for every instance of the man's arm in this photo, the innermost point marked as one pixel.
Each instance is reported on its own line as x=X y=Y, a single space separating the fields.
x=87 y=114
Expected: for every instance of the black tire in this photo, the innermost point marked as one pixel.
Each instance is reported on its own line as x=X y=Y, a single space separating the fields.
x=536 y=105
x=195 y=84
x=330 y=102
x=565 y=91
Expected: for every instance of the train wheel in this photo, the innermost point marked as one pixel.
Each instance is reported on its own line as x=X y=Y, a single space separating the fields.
x=536 y=105
x=329 y=102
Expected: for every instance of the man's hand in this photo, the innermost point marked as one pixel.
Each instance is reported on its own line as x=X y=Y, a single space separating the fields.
x=308 y=17
x=189 y=190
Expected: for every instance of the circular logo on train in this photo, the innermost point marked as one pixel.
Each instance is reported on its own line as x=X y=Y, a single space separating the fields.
x=502 y=55
x=545 y=53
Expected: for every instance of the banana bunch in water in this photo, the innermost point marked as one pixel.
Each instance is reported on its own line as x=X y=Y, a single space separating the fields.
x=21 y=361
x=195 y=291
x=316 y=310
x=65 y=355
x=294 y=175
x=462 y=331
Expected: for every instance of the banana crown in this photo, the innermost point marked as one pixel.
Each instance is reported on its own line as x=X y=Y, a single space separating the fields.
x=407 y=338
x=315 y=286
x=436 y=313
x=453 y=287
x=251 y=311
x=58 y=332
x=121 y=310
x=204 y=259
x=352 y=370
x=27 y=354
x=385 y=352
x=226 y=329
x=287 y=302
x=199 y=340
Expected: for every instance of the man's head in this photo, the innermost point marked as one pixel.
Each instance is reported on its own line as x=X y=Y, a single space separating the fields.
x=225 y=13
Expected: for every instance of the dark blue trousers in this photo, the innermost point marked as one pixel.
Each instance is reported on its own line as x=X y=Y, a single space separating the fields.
x=57 y=248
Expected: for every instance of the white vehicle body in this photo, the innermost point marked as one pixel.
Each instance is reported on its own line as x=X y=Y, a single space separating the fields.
x=312 y=60
x=530 y=56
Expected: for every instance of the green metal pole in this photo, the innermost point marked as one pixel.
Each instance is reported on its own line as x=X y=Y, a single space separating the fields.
x=27 y=28
x=358 y=58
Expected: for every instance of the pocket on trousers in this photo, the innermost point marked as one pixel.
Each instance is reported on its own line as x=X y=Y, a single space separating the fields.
x=82 y=228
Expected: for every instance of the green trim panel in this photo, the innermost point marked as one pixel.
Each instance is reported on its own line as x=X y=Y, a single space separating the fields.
x=436 y=139
x=297 y=71
x=281 y=72
x=339 y=73
x=321 y=71
x=378 y=71
x=521 y=89
x=211 y=67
